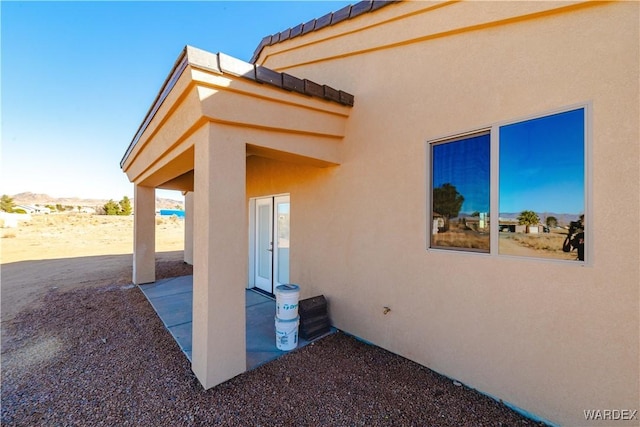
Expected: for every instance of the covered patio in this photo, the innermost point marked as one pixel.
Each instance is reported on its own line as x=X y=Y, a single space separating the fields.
x=172 y=299
x=211 y=114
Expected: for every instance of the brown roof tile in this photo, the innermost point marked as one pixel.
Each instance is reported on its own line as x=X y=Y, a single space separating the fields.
x=293 y=83
x=346 y=98
x=331 y=93
x=266 y=75
x=284 y=35
x=313 y=88
x=323 y=21
x=360 y=8
x=343 y=14
x=230 y=65
x=309 y=26
x=295 y=31
x=377 y=4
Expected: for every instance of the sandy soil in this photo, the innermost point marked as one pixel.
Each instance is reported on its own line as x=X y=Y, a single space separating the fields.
x=68 y=251
x=508 y=246
x=82 y=347
x=74 y=235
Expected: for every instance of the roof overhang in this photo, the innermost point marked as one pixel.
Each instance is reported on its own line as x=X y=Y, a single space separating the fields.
x=278 y=116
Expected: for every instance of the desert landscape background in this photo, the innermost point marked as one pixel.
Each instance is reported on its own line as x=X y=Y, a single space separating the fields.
x=70 y=250
x=29 y=198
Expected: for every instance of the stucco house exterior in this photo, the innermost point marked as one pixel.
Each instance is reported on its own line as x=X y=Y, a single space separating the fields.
x=327 y=160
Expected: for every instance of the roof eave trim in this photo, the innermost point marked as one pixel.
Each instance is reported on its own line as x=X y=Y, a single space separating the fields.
x=224 y=64
x=330 y=19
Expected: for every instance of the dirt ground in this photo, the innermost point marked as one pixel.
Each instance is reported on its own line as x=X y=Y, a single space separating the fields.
x=69 y=251
x=80 y=347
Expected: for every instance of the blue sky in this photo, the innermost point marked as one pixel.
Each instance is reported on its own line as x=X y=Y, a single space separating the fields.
x=542 y=164
x=465 y=164
x=77 y=79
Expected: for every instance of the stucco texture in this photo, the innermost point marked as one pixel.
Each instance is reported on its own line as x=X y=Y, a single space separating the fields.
x=552 y=338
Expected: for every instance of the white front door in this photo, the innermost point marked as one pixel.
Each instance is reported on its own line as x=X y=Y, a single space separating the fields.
x=271 y=242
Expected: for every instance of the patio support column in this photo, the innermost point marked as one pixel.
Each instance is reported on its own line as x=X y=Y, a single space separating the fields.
x=188 y=228
x=220 y=257
x=144 y=235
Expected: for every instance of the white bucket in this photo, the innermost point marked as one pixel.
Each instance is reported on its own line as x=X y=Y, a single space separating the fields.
x=287 y=333
x=287 y=301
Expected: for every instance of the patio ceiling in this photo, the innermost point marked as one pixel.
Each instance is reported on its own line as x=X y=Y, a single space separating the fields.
x=278 y=116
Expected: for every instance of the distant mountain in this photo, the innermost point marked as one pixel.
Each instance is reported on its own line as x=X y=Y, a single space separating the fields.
x=162 y=203
x=29 y=198
x=563 y=218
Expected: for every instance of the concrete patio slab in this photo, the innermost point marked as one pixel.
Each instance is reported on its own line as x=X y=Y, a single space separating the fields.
x=175 y=309
x=173 y=286
x=182 y=334
x=172 y=299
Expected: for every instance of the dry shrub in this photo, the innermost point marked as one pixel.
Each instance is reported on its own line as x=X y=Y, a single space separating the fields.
x=8 y=235
x=167 y=220
x=461 y=239
x=550 y=242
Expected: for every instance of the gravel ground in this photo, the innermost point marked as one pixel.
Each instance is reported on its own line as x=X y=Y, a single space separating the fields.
x=101 y=357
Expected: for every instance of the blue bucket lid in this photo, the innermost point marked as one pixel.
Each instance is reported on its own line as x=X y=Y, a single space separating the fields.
x=289 y=288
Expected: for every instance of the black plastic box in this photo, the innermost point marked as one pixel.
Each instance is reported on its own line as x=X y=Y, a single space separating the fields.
x=314 y=320
x=313 y=327
x=312 y=307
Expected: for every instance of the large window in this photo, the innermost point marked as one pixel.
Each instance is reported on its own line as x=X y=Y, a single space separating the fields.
x=518 y=189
